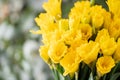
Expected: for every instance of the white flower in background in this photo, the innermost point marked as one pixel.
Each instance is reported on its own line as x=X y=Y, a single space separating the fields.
x=6 y=71
x=36 y=4
x=16 y=6
x=7 y=31
x=19 y=57
x=29 y=48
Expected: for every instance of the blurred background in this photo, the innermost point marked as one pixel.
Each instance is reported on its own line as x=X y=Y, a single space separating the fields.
x=19 y=56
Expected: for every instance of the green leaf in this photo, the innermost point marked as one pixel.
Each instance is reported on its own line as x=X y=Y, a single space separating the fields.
x=105 y=77
x=59 y=68
x=84 y=71
x=103 y=3
x=115 y=76
x=91 y=76
x=93 y=68
x=116 y=69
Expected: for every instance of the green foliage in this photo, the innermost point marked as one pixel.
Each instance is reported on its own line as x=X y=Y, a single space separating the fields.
x=84 y=72
x=102 y=3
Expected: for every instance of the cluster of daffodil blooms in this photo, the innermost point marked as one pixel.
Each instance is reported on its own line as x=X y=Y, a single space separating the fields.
x=89 y=31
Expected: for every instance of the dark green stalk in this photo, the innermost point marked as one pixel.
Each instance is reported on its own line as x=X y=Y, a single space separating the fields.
x=55 y=74
x=92 y=2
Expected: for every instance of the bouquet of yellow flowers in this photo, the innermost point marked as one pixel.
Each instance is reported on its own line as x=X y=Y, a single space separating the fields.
x=86 y=44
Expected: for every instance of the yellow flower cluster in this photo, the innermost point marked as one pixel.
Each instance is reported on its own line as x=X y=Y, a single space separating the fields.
x=87 y=32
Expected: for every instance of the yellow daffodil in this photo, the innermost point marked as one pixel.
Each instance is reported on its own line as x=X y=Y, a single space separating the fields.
x=63 y=25
x=97 y=17
x=50 y=37
x=108 y=47
x=107 y=44
x=107 y=20
x=69 y=63
x=102 y=36
x=44 y=53
x=76 y=43
x=88 y=52
x=114 y=7
x=79 y=14
x=105 y=64
x=97 y=20
x=57 y=51
x=74 y=22
x=116 y=55
x=86 y=31
x=114 y=28
x=53 y=8
x=46 y=22
x=70 y=35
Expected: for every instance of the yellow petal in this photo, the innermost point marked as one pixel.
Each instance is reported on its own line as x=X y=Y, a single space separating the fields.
x=88 y=52
x=36 y=32
x=116 y=55
x=69 y=63
x=105 y=64
x=57 y=51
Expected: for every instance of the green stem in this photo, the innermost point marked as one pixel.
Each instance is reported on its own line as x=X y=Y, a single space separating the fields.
x=76 y=75
x=92 y=2
x=94 y=31
x=56 y=74
x=104 y=78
